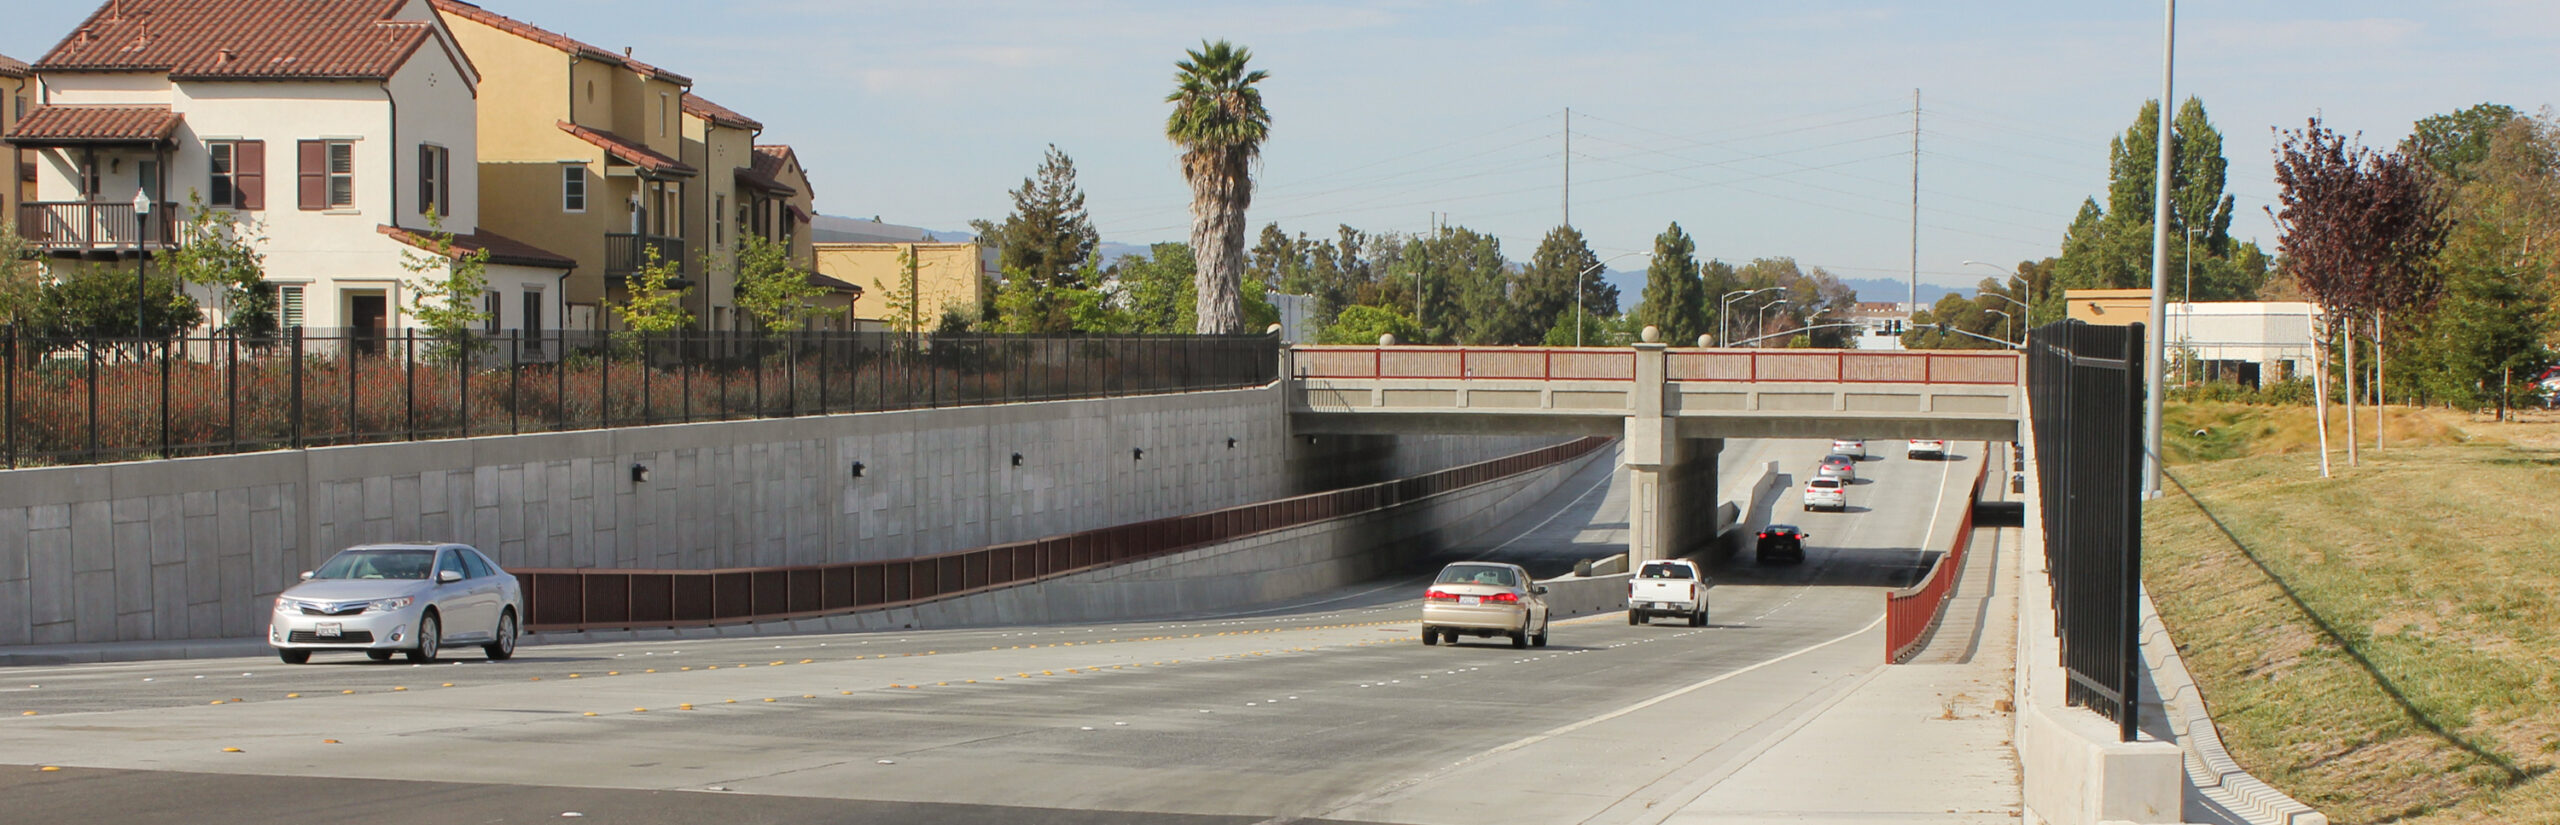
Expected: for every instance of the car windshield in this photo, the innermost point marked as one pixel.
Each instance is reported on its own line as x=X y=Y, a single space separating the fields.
x=1665 y=571
x=378 y=563
x=1782 y=528
x=1479 y=574
x=1826 y=484
x=1837 y=459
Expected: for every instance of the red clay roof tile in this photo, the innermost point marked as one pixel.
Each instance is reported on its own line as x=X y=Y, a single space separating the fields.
x=696 y=106
x=636 y=153
x=502 y=249
x=554 y=39
x=242 y=39
x=95 y=124
x=12 y=67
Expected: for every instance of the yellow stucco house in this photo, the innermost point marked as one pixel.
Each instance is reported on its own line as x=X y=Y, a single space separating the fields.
x=582 y=148
x=17 y=96
x=947 y=276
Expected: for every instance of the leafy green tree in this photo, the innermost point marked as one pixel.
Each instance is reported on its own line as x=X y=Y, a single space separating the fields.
x=2109 y=246
x=444 y=288
x=1219 y=121
x=2491 y=332
x=1156 y=290
x=902 y=300
x=651 y=303
x=2449 y=144
x=1674 y=298
x=1049 y=236
x=1363 y=325
x=21 y=278
x=1547 y=285
x=89 y=301
x=777 y=294
x=219 y=252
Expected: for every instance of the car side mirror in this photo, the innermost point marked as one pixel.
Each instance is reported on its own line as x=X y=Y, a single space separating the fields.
x=1538 y=590
x=448 y=576
x=306 y=575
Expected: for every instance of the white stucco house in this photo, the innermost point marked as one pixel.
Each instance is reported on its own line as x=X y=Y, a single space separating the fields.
x=333 y=126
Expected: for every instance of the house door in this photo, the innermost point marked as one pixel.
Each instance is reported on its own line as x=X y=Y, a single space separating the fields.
x=368 y=321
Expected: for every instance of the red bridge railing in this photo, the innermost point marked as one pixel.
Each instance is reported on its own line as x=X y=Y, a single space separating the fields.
x=1912 y=615
x=1619 y=364
x=616 y=598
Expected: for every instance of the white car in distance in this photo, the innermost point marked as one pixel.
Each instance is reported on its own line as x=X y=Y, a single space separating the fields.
x=1826 y=492
x=1931 y=448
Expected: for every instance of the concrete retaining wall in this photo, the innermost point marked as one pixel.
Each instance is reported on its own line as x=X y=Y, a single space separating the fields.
x=1271 y=567
x=194 y=548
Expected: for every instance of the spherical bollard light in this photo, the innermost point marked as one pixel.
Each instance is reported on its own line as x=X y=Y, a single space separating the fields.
x=1273 y=329
x=1386 y=339
x=1652 y=334
x=1702 y=341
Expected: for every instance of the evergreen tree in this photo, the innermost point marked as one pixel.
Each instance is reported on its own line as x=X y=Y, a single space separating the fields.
x=1564 y=262
x=2109 y=246
x=1049 y=235
x=1674 y=299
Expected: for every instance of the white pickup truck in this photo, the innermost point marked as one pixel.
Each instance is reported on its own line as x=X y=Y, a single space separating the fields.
x=1672 y=587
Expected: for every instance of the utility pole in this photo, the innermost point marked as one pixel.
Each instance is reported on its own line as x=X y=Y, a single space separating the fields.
x=1913 y=308
x=1568 y=166
x=2159 y=258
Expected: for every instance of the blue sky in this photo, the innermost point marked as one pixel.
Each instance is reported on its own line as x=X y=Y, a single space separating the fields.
x=1764 y=129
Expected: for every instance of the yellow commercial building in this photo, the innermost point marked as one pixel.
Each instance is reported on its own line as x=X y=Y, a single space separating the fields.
x=945 y=277
x=2113 y=307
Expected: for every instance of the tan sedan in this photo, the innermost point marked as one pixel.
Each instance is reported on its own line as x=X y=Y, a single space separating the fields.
x=1485 y=599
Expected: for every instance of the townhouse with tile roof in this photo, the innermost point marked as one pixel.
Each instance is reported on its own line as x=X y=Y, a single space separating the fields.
x=749 y=190
x=17 y=94
x=583 y=148
x=334 y=127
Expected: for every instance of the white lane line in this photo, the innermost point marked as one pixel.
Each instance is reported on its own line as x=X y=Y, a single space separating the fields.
x=1526 y=741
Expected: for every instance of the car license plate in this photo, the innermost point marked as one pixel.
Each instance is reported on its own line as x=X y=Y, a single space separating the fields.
x=1470 y=599
x=331 y=630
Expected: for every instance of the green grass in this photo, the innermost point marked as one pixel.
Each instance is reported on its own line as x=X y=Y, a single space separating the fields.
x=2384 y=645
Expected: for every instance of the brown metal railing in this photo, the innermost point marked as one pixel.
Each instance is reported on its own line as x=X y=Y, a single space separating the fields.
x=608 y=598
x=625 y=253
x=1912 y=615
x=67 y=226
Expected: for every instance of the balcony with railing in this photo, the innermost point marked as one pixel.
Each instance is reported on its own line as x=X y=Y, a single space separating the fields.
x=84 y=226
x=625 y=253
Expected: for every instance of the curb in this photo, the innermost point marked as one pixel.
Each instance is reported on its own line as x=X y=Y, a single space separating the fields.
x=2210 y=769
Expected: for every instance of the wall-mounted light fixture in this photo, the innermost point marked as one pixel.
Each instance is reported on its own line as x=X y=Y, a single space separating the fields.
x=857 y=469
x=1017 y=459
x=1231 y=442
x=639 y=473
x=1137 y=453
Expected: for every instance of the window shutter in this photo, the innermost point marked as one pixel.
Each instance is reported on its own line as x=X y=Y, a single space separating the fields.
x=314 y=173
x=426 y=178
x=249 y=173
x=444 y=180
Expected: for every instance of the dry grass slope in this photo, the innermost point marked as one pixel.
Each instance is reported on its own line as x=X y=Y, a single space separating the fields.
x=2384 y=645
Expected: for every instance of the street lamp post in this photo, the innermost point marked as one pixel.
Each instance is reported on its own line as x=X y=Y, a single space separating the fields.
x=141 y=253
x=2007 y=322
x=1725 y=308
x=1763 y=322
x=2029 y=287
x=1577 y=293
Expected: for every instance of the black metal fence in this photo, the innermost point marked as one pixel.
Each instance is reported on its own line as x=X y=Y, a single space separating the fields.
x=2086 y=382
x=80 y=401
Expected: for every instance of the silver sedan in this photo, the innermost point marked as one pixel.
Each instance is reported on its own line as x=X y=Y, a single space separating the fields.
x=411 y=599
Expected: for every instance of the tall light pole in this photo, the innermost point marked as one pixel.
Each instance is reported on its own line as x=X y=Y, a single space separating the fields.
x=141 y=254
x=1763 y=323
x=1577 y=293
x=2155 y=381
x=2007 y=323
x=1725 y=308
x=2027 y=286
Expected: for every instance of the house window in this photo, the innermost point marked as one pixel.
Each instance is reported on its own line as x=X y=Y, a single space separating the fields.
x=89 y=180
x=573 y=188
x=719 y=213
x=342 y=174
x=288 y=306
x=435 y=180
x=236 y=178
x=491 y=305
x=662 y=114
x=533 y=315
x=147 y=179
x=328 y=174
x=222 y=186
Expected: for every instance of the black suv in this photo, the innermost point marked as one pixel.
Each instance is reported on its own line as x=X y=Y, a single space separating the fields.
x=1780 y=541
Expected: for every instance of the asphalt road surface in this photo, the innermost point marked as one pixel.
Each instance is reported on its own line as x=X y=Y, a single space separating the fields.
x=1327 y=709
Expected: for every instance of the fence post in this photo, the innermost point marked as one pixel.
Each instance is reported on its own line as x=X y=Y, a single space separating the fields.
x=9 y=396
x=165 y=345
x=560 y=382
x=409 y=379
x=295 y=409
x=515 y=382
x=462 y=392
x=790 y=378
x=348 y=344
x=231 y=390
x=604 y=387
x=93 y=402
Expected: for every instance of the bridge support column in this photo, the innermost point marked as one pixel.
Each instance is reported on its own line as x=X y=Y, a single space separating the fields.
x=1671 y=481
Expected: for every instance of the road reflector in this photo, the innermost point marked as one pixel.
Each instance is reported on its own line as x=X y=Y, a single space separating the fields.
x=639 y=710
x=447 y=684
x=685 y=706
x=613 y=673
x=573 y=676
x=768 y=699
x=330 y=742
x=807 y=661
x=590 y=713
x=230 y=750
x=27 y=713
x=50 y=768
x=397 y=688
x=217 y=701
x=293 y=696
x=808 y=696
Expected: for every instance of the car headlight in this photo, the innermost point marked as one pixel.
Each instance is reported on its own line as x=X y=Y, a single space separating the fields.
x=286 y=605
x=388 y=605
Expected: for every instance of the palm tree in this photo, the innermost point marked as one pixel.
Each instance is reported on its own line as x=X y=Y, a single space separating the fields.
x=1219 y=122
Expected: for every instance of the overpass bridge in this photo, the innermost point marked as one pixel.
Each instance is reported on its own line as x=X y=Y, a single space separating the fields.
x=1673 y=406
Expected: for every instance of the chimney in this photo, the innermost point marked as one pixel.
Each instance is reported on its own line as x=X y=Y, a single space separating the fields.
x=626 y=51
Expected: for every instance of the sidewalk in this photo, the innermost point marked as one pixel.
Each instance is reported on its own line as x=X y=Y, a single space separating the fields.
x=1910 y=743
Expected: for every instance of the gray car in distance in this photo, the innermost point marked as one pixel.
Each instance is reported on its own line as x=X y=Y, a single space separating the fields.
x=411 y=599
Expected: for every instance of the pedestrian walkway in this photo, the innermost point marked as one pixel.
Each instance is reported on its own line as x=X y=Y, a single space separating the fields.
x=1914 y=743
